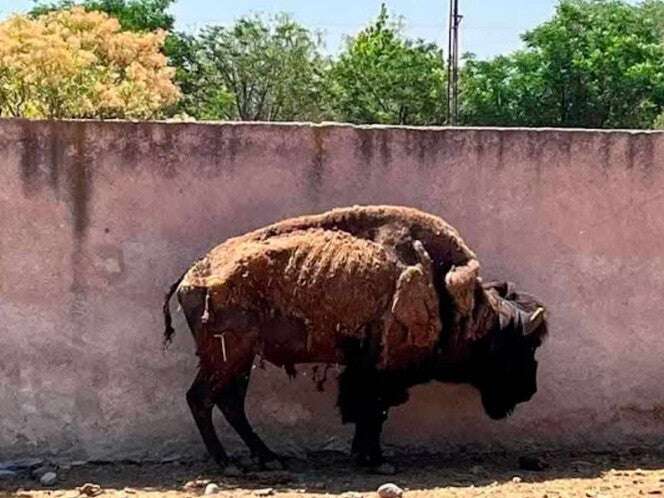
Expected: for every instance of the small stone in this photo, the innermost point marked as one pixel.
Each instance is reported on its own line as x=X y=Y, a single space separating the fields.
x=89 y=489
x=390 y=490
x=48 y=479
x=40 y=471
x=516 y=479
x=211 y=489
x=130 y=491
x=196 y=484
x=170 y=459
x=534 y=464
x=264 y=492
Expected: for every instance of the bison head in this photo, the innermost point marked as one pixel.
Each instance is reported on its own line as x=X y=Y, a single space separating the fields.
x=504 y=365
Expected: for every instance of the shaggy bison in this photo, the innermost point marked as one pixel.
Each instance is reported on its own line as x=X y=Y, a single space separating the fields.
x=391 y=293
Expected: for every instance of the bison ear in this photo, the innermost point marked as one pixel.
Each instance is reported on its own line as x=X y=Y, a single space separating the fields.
x=461 y=282
x=506 y=290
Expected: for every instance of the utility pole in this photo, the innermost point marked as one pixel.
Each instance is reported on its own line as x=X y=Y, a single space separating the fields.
x=453 y=64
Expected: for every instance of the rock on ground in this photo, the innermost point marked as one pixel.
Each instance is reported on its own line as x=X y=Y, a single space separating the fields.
x=89 y=489
x=40 y=471
x=48 y=479
x=390 y=490
x=211 y=489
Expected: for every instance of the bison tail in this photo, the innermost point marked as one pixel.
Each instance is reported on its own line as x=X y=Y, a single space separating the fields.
x=169 y=331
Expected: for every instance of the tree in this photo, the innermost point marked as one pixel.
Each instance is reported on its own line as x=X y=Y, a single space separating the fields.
x=383 y=78
x=76 y=64
x=596 y=64
x=133 y=15
x=505 y=91
x=253 y=70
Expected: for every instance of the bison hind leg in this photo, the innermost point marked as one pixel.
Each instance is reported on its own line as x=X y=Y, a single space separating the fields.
x=201 y=400
x=231 y=403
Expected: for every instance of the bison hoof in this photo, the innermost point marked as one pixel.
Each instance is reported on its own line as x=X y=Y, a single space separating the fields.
x=232 y=470
x=384 y=469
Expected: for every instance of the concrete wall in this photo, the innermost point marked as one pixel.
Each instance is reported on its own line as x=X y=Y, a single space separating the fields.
x=96 y=219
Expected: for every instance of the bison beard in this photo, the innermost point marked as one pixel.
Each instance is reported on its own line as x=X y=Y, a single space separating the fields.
x=392 y=293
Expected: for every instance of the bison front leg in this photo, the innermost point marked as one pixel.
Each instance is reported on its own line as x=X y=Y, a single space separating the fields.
x=366 y=446
x=361 y=403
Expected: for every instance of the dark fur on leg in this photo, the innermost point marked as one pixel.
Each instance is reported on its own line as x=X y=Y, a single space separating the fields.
x=231 y=403
x=200 y=399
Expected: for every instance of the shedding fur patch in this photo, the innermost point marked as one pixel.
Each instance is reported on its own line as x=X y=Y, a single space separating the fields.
x=337 y=286
x=461 y=282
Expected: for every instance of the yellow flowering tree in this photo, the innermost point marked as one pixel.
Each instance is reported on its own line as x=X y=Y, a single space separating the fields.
x=76 y=64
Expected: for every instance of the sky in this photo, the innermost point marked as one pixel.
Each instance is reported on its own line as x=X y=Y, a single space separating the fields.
x=489 y=27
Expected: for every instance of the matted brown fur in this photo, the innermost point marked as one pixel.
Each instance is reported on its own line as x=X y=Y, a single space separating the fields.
x=396 y=228
x=388 y=225
x=329 y=284
x=390 y=231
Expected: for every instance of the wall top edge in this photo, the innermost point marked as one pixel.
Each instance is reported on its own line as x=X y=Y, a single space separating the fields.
x=327 y=124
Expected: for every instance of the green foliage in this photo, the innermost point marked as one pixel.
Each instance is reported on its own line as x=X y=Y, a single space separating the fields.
x=134 y=15
x=383 y=78
x=254 y=70
x=659 y=122
x=596 y=64
x=505 y=91
x=653 y=10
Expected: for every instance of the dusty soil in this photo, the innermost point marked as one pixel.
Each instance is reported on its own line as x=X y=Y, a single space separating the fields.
x=588 y=475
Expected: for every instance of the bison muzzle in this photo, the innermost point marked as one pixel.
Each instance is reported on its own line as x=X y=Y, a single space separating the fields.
x=390 y=293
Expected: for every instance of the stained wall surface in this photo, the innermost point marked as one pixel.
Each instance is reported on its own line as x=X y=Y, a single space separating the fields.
x=97 y=219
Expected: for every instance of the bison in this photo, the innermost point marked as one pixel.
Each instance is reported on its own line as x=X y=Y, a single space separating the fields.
x=391 y=293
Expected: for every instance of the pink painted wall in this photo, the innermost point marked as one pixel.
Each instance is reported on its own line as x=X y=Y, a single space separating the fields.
x=96 y=219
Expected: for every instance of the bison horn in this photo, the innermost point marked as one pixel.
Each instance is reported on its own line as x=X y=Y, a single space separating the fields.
x=535 y=320
x=537 y=314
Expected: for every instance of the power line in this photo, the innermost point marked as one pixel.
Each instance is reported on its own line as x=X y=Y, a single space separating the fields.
x=453 y=64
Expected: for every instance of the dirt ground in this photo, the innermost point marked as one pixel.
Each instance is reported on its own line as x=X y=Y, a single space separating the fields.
x=587 y=475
